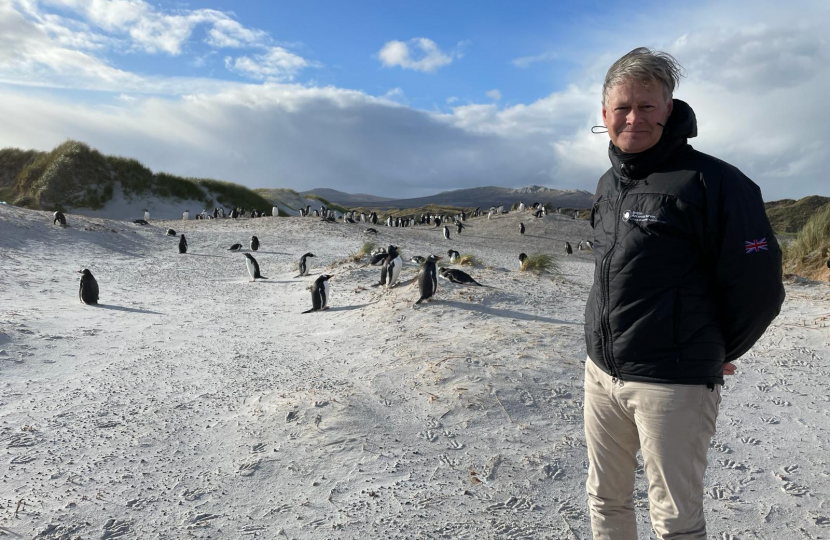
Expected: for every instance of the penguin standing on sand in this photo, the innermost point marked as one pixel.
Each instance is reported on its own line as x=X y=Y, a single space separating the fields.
x=459 y=277
x=568 y=249
x=304 y=266
x=59 y=218
x=453 y=255
x=235 y=247
x=320 y=294
x=428 y=279
x=458 y=227
x=88 y=288
x=446 y=232
x=254 y=243
x=170 y=232
x=182 y=245
x=253 y=267
x=417 y=259
x=522 y=257
x=391 y=269
x=521 y=228
x=146 y=215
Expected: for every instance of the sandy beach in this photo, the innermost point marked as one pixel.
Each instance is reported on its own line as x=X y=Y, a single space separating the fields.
x=193 y=403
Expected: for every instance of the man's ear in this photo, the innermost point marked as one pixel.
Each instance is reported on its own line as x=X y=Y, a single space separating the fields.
x=669 y=108
x=605 y=117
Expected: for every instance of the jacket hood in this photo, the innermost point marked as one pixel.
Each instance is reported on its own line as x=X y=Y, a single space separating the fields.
x=680 y=126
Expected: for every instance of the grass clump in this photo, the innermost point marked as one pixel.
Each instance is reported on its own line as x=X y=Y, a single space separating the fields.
x=365 y=250
x=539 y=263
x=807 y=254
x=468 y=259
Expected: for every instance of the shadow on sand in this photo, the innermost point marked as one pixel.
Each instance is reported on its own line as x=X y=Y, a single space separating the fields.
x=506 y=313
x=128 y=309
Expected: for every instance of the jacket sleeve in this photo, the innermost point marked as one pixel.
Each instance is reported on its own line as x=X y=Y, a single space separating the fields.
x=747 y=264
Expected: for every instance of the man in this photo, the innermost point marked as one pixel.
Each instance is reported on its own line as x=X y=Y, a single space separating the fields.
x=687 y=278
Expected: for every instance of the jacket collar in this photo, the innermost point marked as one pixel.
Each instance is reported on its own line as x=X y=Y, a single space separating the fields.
x=681 y=125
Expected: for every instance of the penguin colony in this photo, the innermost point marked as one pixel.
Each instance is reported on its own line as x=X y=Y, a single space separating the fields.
x=388 y=258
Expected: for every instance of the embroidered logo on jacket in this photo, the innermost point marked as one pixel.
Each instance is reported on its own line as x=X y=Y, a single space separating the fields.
x=639 y=217
x=755 y=245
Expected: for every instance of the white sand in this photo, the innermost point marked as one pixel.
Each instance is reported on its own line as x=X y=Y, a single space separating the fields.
x=195 y=404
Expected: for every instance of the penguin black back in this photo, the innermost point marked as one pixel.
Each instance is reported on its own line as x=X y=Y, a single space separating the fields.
x=88 y=288
x=428 y=279
x=521 y=228
x=320 y=294
x=182 y=244
x=59 y=219
x=254 y=243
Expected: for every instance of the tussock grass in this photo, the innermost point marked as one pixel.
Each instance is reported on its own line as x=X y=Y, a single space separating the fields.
x=468 y=259
x=807 y=254
x=539 y=263
x=365 y=250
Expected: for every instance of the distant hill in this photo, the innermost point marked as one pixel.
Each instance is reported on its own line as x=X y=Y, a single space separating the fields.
x=75 y=177
x=470 y=198
x=345 y=199
x=790 y=216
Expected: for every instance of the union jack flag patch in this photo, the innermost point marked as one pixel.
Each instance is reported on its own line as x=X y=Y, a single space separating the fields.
x=756 y=245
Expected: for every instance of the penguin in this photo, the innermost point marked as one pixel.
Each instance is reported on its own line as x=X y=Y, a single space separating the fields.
x=453 y=255
x=304 y=265
x=88 y=288
x=171 y=232
x=522 y=257
x=182 y=244
x=417 y=259
x=446 y=232
x=140 y=222
x=185 y=215
x=568 y=249
x=391 y=269
x=320 y=294
x=428 y=279
x=459 y=277
x=521 y=228
x=458 y=227
x=378 y=258
x=254 y=243
x=370 y=230
x=253 y=267
x=146 y=215
x=59 y=218
x=235 y=247
x=537 y=214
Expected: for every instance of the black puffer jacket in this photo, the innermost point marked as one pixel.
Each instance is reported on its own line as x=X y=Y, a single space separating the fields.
x=688 y=271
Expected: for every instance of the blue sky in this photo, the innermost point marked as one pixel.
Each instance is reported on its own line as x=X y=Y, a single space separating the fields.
x=406 y=99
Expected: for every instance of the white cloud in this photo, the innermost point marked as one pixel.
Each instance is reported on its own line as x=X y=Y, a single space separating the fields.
x=399 y=53
x=451 y=100
x=275 y=64
x=494 y=94
x=527 y=61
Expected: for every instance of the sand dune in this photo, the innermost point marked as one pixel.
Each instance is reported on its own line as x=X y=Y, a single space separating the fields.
x=194 y=404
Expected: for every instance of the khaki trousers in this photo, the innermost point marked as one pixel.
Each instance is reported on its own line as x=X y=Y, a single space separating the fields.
x=672 y=425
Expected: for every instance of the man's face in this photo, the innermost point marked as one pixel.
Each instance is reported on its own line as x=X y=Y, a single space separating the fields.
x=631 y=113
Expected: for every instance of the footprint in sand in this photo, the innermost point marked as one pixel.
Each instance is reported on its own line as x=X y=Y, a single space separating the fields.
x=771 y=420
x=750 y=440
x=723 y=448
x=115 y=528
x=553 y=471
x=780 y=402
x=428 y=435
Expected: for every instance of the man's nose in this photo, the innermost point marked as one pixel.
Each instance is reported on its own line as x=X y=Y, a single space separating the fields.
x=632 y=117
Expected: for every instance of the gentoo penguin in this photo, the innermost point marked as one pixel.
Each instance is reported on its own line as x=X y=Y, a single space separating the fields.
x=320 y=294
x=391 y=269
x=378 y=259
x=521 y=228
x=458 y=227
x=568 y=248
x=182 y=244
x=59 y=218
x=140 y=222
x=254 y=243
x=235 y=247
x=171 y=232
x=304 y=266
x=253 y=267
x=146 y=215
x=538 y=213
x=428 y=279
x=522 y=257
x=275 y=212
x=185 y=215
x=446 y=232
x=370 y=230
x=453 y=255
x=417 y=259
x=88 y=289
x=459 y=277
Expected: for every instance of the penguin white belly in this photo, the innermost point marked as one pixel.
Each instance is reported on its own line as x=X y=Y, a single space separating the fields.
x=251 y=270
x=394 y=271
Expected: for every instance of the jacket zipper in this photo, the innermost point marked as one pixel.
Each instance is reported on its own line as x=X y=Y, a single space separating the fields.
x=605 y=269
